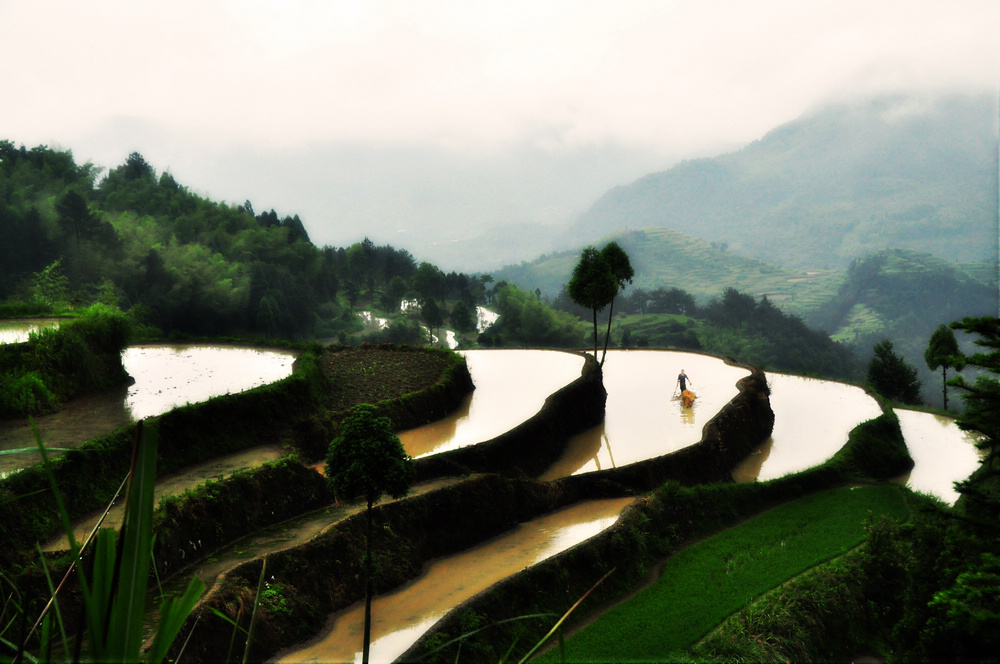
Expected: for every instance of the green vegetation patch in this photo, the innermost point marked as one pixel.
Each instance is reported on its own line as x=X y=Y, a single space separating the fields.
x=703 y=584
x=56 y=364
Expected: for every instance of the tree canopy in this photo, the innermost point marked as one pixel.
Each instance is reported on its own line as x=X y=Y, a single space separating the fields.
x=942 y=351
x=891 y=376
x=621 y=270
x=592 y=285
x=368 y=459
x=183 y=264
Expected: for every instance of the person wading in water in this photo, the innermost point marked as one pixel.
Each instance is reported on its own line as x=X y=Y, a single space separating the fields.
x=682 y=380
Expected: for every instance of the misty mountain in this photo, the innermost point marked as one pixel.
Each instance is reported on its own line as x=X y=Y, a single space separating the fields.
x=833 y=185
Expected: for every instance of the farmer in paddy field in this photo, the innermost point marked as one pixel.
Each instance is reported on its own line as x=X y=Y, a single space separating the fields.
x=682 y=380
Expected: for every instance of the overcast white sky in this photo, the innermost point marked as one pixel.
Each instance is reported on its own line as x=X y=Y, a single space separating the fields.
x=306 y=106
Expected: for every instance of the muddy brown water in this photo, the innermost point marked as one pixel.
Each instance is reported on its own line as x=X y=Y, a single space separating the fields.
x=644 y=417
x=812 y=419
x=165 y=376
x=401 y=617
x=502 y=398
x=942 y=453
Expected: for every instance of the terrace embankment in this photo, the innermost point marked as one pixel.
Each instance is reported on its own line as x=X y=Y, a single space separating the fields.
x=324 y=575
x=299 y=412
x=656 y=525
x=535 y=444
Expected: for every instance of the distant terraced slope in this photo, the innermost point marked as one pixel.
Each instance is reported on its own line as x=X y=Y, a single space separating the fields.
x=669 y=258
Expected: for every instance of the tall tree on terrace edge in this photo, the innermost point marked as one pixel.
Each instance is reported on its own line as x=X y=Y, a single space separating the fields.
x=942 y=351
x=621 y=270
x=368 y=459
x=592 y=285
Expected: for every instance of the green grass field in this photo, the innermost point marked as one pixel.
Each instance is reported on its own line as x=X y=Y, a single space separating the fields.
x=706 y=582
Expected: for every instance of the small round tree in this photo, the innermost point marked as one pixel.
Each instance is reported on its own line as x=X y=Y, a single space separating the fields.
x=892 y=376
x=367 y=459
x=942 y=351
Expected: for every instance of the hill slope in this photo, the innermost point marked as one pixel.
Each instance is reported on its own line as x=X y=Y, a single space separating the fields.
x=903 y=295
x=663 y=257
x=833 y=186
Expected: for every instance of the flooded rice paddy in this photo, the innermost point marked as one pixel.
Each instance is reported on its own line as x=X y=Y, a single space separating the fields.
x=400 y=618
x=644 y=419
x=942 y=453
x=166 y=376
x=171 y=376
x=18 y=331
x=502 y=398
x=812 y=419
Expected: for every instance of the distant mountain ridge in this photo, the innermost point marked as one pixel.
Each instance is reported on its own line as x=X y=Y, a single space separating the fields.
x=833 y=186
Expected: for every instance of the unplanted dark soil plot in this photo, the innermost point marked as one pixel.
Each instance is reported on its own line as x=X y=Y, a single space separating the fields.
x=369 y=374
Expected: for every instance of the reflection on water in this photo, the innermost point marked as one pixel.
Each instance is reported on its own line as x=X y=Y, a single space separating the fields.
x=18 y=331
x=511 y=386
x=942 y=453
x=644 y=417
x=399 y=618
x=812 y=419
x=165 y=377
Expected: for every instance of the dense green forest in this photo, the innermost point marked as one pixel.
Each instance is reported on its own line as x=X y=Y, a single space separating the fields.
x=185 y=265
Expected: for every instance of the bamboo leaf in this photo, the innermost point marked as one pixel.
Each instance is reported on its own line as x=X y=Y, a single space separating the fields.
x=559 y=623
x=126 y=620
x=173 y=613
x=253 y=614
x=26 y=450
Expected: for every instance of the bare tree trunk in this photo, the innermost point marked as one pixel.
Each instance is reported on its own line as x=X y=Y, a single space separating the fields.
x=607 y=336
x=944 y=386
x=368 y=588
x=595 y=333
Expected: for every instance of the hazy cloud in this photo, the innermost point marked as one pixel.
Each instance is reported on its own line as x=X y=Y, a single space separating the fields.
x=194 y=84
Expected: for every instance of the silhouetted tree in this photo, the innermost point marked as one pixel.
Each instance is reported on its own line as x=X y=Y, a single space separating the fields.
x=982 y=397
x=942 y=351
x=75 y=216
x=136 y=168
x=429 y=281
x=368 y=459
x=430 y=313
x=592 y=285
x=462 y=317
x=891 y=376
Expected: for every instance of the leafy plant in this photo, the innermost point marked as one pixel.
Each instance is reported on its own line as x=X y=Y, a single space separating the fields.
x=113 y=591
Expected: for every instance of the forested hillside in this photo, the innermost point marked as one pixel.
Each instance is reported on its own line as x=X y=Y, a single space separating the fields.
x=663 y=257
x=183 y=264
x=832 y=186
x=903 y=296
